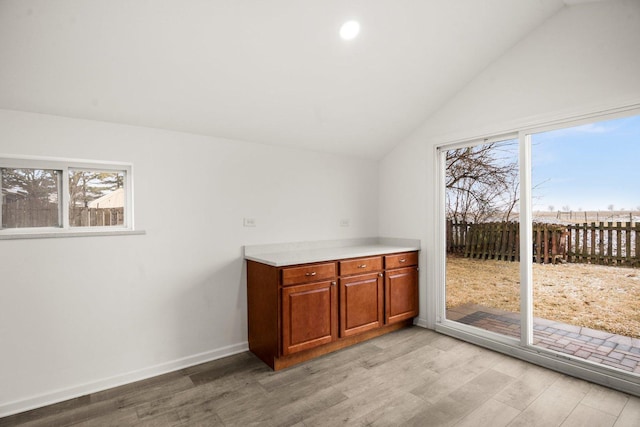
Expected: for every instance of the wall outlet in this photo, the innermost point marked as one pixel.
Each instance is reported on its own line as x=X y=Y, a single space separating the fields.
x=344 y=222
x=249 y=222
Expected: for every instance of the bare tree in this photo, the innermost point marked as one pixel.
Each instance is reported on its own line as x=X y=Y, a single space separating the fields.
x=482 y=181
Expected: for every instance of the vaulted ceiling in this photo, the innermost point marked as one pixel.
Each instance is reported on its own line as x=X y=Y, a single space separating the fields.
x=273 y=72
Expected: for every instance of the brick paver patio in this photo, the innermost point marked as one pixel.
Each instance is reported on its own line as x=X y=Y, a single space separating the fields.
x=597 y=346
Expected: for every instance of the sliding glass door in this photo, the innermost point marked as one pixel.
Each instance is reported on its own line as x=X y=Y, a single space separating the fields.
x=482 y=255
x=542 y=244
x=586 y=225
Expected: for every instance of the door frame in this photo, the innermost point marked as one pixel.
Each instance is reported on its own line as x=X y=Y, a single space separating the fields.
x=522 y=348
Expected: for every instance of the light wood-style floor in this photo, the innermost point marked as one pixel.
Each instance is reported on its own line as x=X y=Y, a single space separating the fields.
x=412 y=377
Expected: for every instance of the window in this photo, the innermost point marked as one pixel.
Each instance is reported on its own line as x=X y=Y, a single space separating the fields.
x=30 y=198
x=96 y=198
x=58 y=196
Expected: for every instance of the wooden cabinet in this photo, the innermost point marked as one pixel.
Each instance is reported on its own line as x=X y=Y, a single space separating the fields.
x=361 y=303
x=299 y=312
x=401 y=287
x=401 y=294
x=309 y=306
x=309 y=316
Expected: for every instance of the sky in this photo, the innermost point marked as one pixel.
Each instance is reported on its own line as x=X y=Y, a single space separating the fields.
x=588 y=167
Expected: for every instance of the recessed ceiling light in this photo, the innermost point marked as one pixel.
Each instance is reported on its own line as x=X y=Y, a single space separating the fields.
x=349 y=30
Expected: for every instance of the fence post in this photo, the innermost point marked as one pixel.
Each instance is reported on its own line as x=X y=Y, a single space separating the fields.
x=538 y=240
x=592 y=235
x=516 y=240
x=554 y=244
x=637 y=237
x=471 y=237
x=600 y=244
x=627 y=235
x=610 y=242
x=618 y=243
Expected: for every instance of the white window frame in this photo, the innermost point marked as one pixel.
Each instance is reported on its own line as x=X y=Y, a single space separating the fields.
x=65 y=229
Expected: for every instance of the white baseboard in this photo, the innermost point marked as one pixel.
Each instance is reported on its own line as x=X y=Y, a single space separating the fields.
x=419 y=321
x=55 y=396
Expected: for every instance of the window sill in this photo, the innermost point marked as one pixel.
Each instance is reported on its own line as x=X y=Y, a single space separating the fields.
x=67 y=233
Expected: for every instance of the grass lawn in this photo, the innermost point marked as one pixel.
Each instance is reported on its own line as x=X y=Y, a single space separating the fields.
x=593 y=296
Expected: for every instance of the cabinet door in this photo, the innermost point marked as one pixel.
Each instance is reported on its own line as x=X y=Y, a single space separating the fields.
x=309 y=316
x=361 y=303
x=401 y=294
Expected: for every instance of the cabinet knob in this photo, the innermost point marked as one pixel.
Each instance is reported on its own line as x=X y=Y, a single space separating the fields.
x=333 y=283
x=362 y=266
x=380 y=274
x=313 y=273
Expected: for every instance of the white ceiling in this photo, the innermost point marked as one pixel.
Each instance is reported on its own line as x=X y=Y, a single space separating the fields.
x=272 y=72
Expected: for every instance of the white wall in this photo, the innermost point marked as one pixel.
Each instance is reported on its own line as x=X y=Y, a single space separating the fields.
x=78 y=314
x=584 y=59
x=176 y=295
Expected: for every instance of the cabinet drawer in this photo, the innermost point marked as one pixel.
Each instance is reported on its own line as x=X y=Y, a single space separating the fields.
x=308 y=273
x=360 y=265
x=401 y=260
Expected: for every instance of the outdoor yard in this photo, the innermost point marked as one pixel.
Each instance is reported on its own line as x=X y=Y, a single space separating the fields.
x=598 y=297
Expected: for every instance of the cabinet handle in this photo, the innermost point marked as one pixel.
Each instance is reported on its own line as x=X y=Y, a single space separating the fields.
x=403 y=260
x=362 y=266
x=313 y=273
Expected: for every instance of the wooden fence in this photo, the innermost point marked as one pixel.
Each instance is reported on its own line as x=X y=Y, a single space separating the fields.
x=489 y=240
x=604 y=243
x=16 y=215
x=19 y=216
x=96 y=217
x=595 y=243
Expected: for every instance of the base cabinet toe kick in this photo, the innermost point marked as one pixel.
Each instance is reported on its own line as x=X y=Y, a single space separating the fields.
x=299 y=312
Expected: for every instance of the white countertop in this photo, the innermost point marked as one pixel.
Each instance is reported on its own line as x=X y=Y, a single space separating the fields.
x=285 y=254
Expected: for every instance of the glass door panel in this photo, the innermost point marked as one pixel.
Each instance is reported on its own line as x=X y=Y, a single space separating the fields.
x=586 y=242
x=482 y=236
